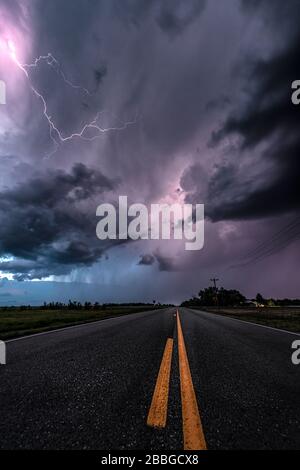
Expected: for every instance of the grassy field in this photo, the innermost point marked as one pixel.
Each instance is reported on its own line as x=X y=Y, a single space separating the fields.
x=16 y=322
x=277 y=317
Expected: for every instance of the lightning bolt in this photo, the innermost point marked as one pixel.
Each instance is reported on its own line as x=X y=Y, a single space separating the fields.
x=55 y=133
x=52 y=62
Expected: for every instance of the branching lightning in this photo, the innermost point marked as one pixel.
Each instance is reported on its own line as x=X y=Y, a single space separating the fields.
x=55 y=133
x=52 y=62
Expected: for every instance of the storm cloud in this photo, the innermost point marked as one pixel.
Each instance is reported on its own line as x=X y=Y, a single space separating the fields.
x=146 y=260
x=264 y=126
x=192 y=102
x=48 y=222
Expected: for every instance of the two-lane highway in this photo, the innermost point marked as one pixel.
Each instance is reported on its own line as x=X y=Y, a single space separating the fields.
x=91 y=387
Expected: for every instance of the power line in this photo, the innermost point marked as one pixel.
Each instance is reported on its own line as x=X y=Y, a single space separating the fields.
x=276 y=237
x=271 y=246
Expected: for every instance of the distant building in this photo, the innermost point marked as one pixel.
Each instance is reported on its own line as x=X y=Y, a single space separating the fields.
x=252 y=303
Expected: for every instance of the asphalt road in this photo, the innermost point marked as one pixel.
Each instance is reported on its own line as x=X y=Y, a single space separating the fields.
x=90 y=387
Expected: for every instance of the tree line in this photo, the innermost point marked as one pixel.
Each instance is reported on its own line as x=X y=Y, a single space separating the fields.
x=221 y=297
x=75 y=305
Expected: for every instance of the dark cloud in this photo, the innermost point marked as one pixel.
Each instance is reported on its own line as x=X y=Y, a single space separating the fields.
x=165 y=263
x=100 y=73
x=220 y=103
x=50 y=189
x=274 y=14
x=48 y=222
x=176 y=15
x=194 y=178
x=265 y=123
x=133 y=11
x=146 y=260
x=172 y=16
x=268 y=108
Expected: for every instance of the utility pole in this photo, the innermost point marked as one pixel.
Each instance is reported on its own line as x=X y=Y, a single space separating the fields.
x=214 y=280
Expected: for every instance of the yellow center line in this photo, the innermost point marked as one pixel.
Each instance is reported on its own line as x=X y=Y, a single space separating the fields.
x=193 y=435
x=157 y=416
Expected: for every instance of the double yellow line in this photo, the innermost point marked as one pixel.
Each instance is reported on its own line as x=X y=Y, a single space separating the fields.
x=193 y=436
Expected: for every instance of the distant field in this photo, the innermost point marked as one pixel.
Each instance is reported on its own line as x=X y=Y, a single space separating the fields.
x=287 y=318
x=16 y=322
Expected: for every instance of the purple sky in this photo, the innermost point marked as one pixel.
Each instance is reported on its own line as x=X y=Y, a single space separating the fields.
x=199 y=95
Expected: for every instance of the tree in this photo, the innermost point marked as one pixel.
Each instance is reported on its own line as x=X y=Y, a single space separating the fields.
x=230 y=298
x=260 y=299
x=207 y=296
x=211 y=297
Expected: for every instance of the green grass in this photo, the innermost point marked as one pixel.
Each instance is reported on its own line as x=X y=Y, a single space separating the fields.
x=16 y=322
x=276 y=317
